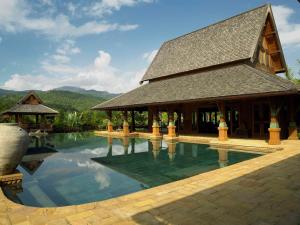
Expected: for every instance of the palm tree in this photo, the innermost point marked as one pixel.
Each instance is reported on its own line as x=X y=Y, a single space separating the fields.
x=291 y=76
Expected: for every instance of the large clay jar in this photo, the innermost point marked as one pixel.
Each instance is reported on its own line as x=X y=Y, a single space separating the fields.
x=14 y=142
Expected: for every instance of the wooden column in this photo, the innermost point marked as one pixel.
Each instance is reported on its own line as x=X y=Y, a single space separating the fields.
x=222 y=125
x=150 y=119
x=36 y=119
x=188 y=119
x=132 y=121
x=155 y=125
x=171 y=126
x=109 y=122
x=19 y=121
x=216 y=117
x=43 y=122
x=293 y=132
x=274 y=129
x=125 y=123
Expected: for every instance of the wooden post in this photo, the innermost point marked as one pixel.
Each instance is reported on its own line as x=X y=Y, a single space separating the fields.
x=132 y=121
x=222 y=125
x=171 y=127
x=36 y=119
x=125 y=124
x=109 y=122
x=274 y=129
x=150 y=119
x=293 y=132
x=188 y=119
x=43 y=122
x=216 y=117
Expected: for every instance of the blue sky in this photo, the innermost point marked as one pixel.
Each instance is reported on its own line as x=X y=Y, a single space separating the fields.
x=108 y=44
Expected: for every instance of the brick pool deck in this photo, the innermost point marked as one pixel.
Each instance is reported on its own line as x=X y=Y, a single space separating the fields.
x=260 y=191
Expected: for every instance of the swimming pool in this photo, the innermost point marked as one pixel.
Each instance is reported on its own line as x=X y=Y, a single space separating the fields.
x=75 y=168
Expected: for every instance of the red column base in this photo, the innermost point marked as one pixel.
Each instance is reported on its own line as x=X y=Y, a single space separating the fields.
x=293 y=133
x=125 y=130
x=274 y=136
x=171 y=131
x=109 y=128
x=155 y=131
x=223 y=133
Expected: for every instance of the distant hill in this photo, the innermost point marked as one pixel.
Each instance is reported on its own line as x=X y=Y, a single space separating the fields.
x=100 y=94
x=7 y=92
x=74 y=99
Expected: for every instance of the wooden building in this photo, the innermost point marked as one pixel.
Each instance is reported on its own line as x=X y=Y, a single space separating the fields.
x=31 y=105
x=221 y=79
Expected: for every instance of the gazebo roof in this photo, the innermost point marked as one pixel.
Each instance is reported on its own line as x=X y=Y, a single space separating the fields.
x=30 y=104
x=228 y=82
x=30 y=109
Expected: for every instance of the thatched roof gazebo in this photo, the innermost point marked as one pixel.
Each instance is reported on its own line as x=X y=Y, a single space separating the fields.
x=31 y=104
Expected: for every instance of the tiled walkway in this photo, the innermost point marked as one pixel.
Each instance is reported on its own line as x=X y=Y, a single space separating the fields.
x=261 y=191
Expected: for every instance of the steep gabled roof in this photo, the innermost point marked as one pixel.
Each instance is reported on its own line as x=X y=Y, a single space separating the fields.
x=227 y=82
x=31 y=103
x=233 y=39
x=28 y=95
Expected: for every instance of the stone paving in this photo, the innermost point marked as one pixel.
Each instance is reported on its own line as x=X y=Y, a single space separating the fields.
x=260 y=191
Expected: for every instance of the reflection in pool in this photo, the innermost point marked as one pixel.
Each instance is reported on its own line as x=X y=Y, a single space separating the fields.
x=68 y=169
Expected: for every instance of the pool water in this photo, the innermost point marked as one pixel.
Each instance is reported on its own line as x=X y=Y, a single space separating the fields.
x=69 y=169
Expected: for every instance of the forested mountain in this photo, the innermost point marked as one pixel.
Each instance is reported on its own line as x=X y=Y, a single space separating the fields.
x=69 y=99
x=73 y=104
x=99 y=94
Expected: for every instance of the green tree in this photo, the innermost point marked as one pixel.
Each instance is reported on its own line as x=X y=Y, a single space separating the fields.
x=290 y=75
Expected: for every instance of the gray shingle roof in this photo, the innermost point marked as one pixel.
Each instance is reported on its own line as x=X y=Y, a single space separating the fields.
x=238 y=80
x=230 y=40
x=30 y=109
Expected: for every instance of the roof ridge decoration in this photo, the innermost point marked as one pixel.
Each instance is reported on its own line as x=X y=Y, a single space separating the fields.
x=28 y=95
x=230 y=40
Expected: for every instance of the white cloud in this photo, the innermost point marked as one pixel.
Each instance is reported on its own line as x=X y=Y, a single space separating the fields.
x=101 y=174
x=100 y=75
x=71 y=8
x=57 y=63
x=149 y=56
x=47 y=2
x=289 y=32
x=16 y=16
x=59 y=68
x=106 y=7
x=68 y=48
x=62 y=59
